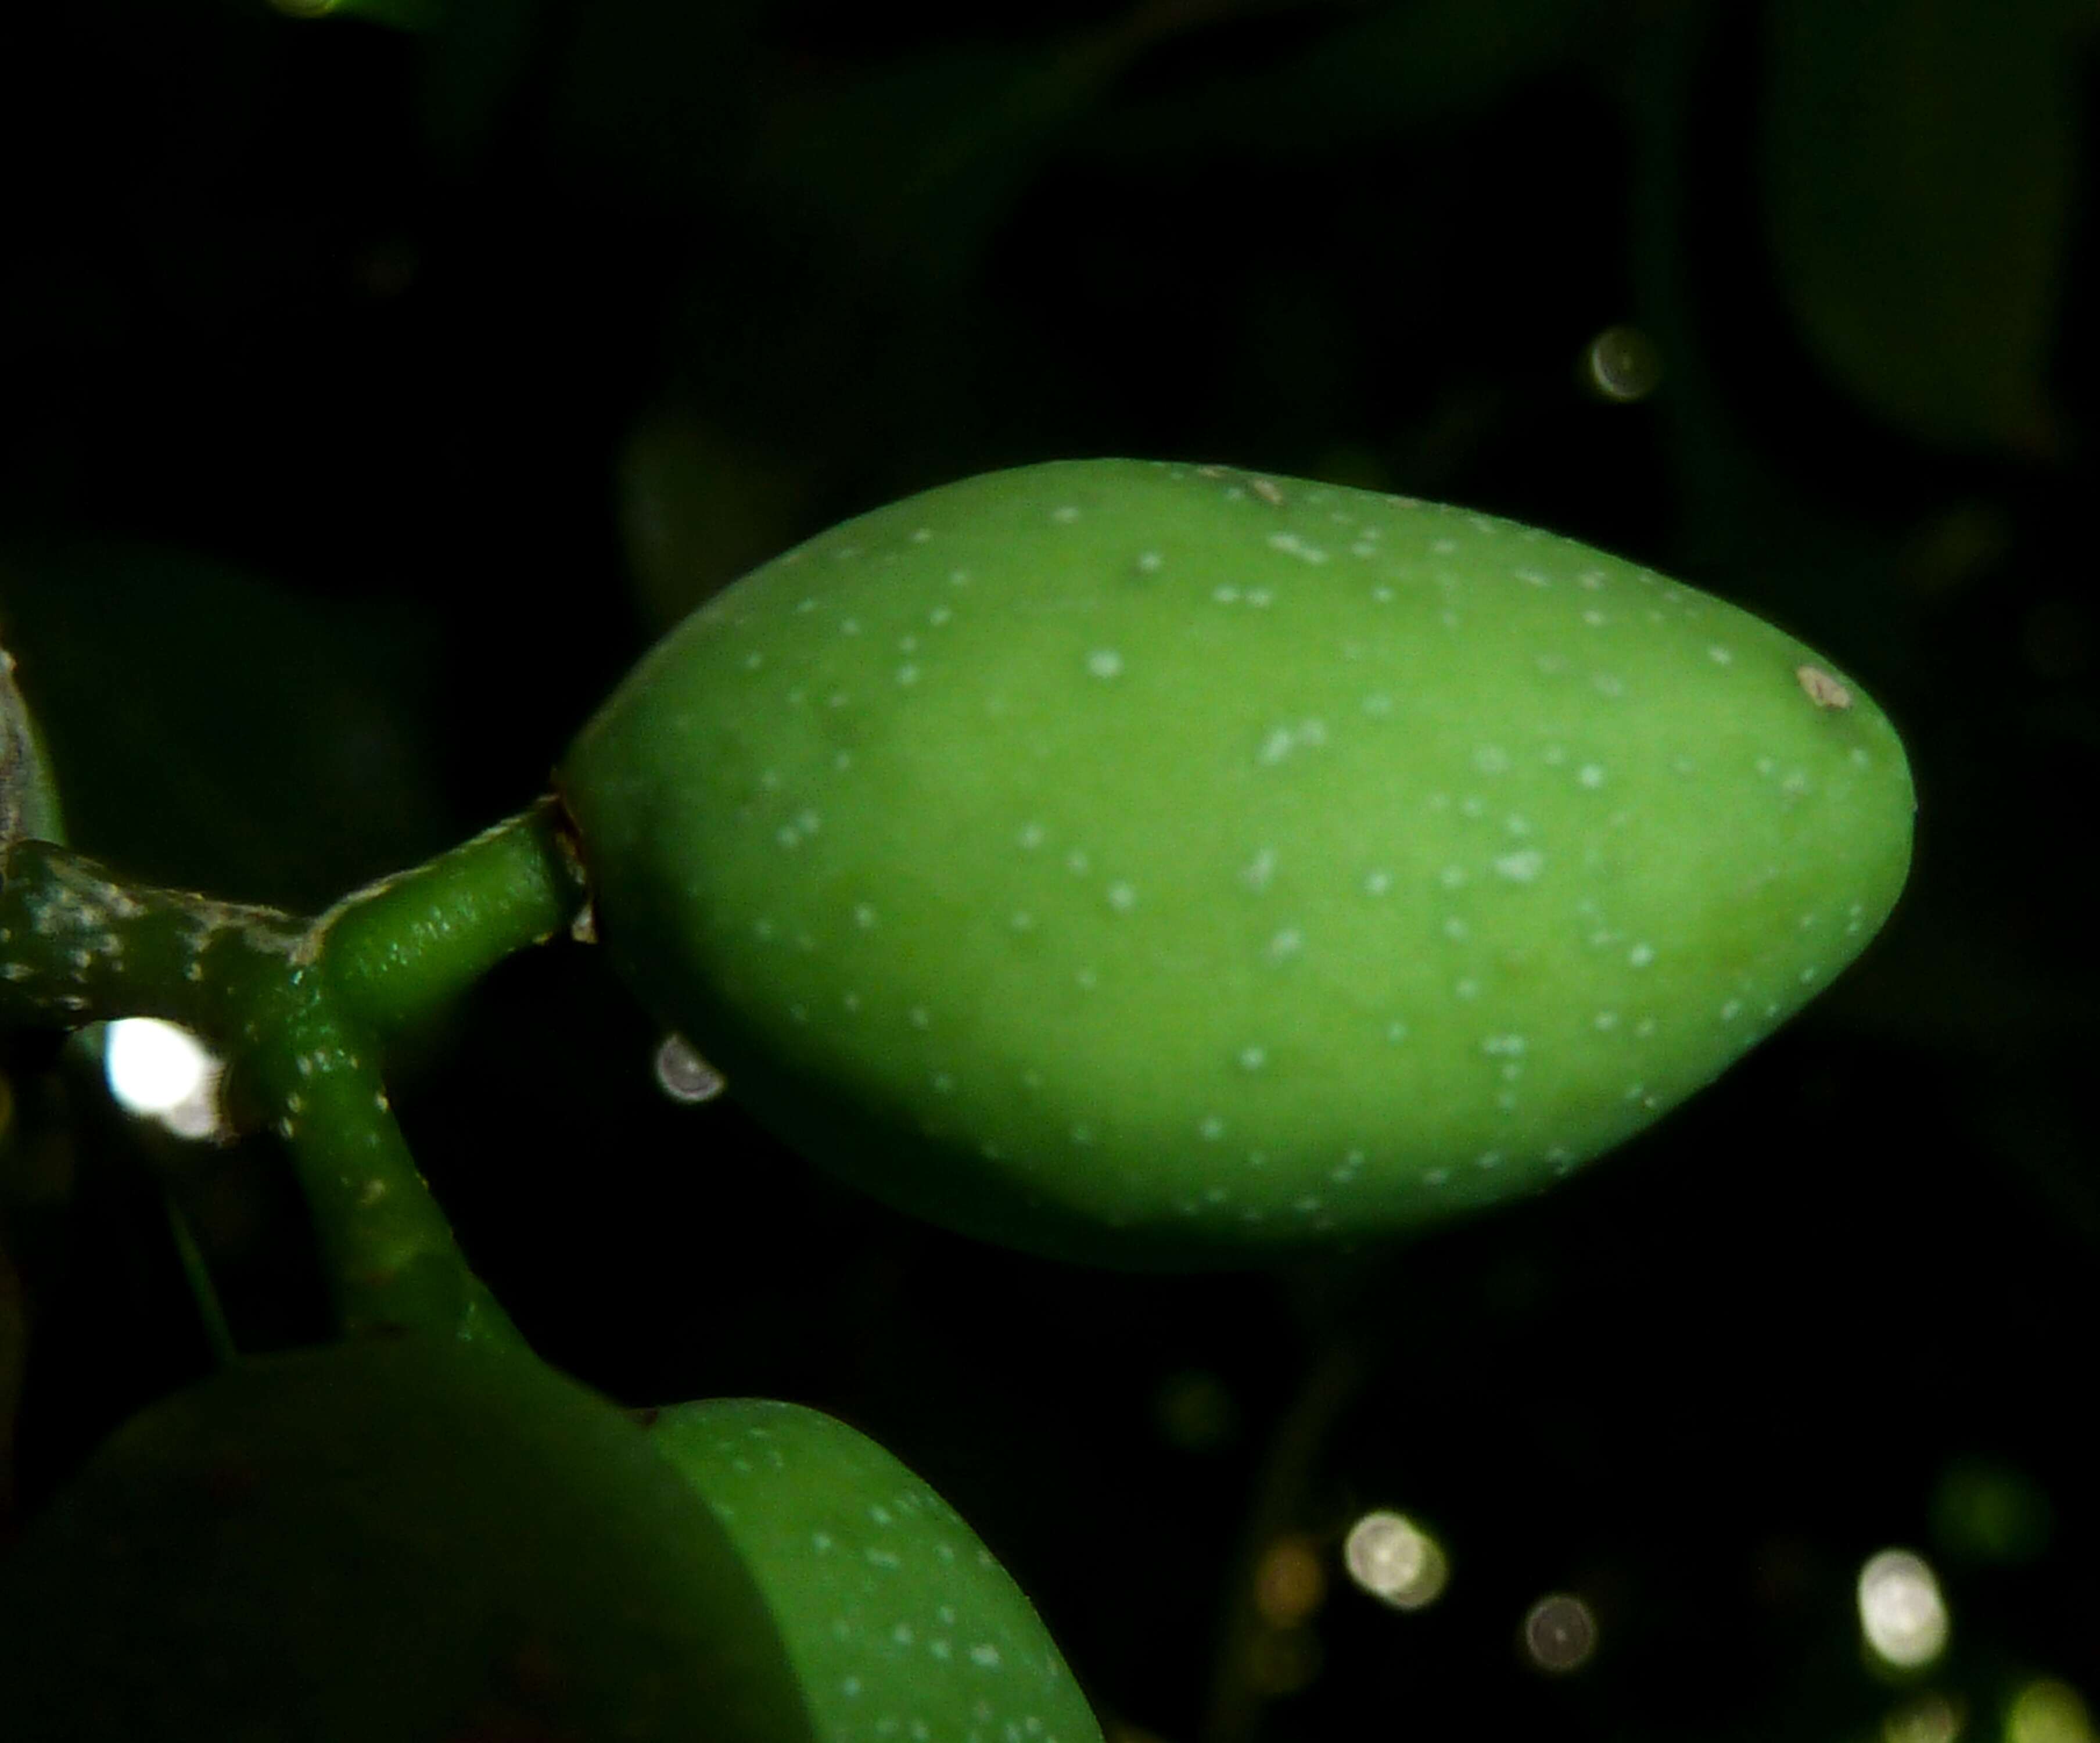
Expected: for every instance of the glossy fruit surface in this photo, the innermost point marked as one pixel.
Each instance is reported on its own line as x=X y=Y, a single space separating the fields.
x=898 y=1621
x=1147 y=862
x=394 y=1541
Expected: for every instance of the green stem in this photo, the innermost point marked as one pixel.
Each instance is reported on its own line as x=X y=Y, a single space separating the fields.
x=210 y=1313
x=406 y=946
x=298 y=1009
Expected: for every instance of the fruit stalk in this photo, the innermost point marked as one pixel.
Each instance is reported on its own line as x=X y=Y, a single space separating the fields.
x=78 y=945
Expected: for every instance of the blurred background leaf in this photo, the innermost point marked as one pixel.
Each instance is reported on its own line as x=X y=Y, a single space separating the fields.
x=1920 y=161
x=220 y=735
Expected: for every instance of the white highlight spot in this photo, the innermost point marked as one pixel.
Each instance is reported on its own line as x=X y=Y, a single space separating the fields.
x=161 y=1071
x=1901 y=1612
x=1104 y=662
x=1394 y=1559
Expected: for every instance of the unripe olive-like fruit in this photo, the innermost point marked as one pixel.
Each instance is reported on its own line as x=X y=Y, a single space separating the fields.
x=1142 y=861
x=897 y=1619
x=402 y=1541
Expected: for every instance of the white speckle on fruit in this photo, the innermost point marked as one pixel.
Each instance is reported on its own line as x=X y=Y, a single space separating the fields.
x=1267 y=490
x=1720 y=655
x=1491 y=759
x=1377 y=883
x=1211 y=1128
x=1532 y=577
x=863 y=915
x=1590 y=775
x=1259 y=869
x=1104 y=662
x=1508 y=1046
x=919 y=1016
x=944 y=1084
x=1253 y=1058
x=907 y=674
x=1032 y=836
x=1291 y=545
x=1287 y=942
x=1149 y=562
x=1606 y=1020
x=1122 y=897
x=1640 y=956
x=1076 y=862
x=1395 y=1032
x=1455 y=928
x=1521 y=868
x=1065 y=515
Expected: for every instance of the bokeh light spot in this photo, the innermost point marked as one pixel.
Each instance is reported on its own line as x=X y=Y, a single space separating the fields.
x=1395 y=1560
x=1289 y=1582
x=1559 y=1633
x=1901 y=1612
x=2048 y=1711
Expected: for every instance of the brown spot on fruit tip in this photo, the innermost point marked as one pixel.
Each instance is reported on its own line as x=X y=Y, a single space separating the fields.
x=1822 y=689
x=1267 y=491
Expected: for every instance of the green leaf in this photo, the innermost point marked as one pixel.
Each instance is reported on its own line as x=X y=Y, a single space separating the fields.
x=212 y=733
x=1919 y=162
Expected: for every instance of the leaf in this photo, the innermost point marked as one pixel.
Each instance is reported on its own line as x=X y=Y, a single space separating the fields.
x=210 y=731
x=1918 y=160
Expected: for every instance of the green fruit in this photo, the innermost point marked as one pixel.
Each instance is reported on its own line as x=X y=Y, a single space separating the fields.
x=899 y=1622
x=395 y=1540
x=1145 y=862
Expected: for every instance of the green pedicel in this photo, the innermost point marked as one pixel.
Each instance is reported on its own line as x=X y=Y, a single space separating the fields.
x=1153 y=863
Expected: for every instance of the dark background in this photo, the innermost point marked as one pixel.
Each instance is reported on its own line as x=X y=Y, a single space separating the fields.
x=373 y=390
